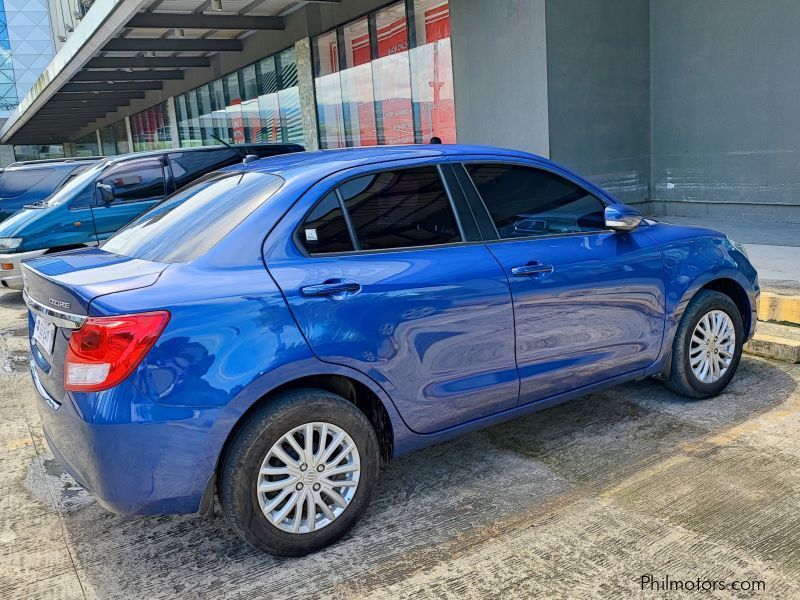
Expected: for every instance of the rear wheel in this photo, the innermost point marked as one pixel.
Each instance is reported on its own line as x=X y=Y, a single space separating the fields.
x=299 y=473
x=707 y=346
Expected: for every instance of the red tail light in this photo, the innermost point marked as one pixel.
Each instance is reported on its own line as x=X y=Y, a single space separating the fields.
x=106 y=350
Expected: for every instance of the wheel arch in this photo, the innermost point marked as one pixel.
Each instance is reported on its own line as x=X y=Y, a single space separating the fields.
x=736 y=292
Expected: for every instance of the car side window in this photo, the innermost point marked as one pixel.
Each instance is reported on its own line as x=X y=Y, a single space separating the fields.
x=400 y=209
x=325 y=229
x=525 y=201
x=135 y=181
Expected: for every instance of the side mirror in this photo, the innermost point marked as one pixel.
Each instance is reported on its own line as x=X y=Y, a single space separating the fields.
x=620 y=217
x=106 y=193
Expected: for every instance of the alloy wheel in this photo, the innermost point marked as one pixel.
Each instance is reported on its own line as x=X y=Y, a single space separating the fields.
x=712 y=346
x=308 y=477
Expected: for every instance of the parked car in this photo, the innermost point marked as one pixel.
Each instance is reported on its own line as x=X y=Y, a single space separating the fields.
x=279 y=331
x=92 y=206
x=29 y=182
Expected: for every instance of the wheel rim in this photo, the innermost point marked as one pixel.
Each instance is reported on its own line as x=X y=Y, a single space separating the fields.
x=309 y=477
x=712 y=347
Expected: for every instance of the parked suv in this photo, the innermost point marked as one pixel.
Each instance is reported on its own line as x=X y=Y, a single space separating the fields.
x=29 y=182
x=276 y=333
x=104 y=197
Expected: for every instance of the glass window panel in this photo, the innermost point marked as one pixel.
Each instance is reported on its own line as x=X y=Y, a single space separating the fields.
x=356 y=80
x=400 y=209
x=193 y=116
x=248 y=83
x=108 y=145
x=523 y=201
x=219 y=115
x=121 y=137
x=356 y=43
x=325 y=230
x=206 y=114
x=329 y=91
x=391 y=76
x=270 y=120
x=432 y=72
x=326 y=54
x=287 y=68
x=290 y=118
x=233 y=107
x=267 y=76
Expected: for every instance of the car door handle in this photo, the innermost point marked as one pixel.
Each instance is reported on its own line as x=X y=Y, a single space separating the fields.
x=532 y=268
x=330 y=287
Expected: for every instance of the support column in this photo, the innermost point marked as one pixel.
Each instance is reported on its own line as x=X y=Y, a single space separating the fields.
x=173 y=122
x=308 y=102
x=99 y=142
x=130 y=133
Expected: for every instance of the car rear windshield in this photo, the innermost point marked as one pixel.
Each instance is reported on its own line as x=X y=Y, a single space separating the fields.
x=190 y=222
x=15 y=183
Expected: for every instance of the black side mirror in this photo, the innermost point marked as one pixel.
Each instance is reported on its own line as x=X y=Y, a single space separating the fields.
x=106 y=193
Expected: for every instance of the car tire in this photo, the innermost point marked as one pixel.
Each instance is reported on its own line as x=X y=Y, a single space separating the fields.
x=689 y=357
x=263 y=445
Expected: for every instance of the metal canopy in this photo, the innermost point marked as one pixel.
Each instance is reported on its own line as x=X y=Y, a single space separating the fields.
x=123 y=48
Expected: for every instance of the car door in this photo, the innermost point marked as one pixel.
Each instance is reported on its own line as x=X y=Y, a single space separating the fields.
x=136 y=185
x=383 y=275
x=588 y=302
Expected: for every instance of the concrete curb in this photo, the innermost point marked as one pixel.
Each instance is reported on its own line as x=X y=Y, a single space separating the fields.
x=781 y=342
x=779 y=308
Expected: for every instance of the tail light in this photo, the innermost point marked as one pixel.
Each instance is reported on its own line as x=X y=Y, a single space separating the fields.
x=106 y=350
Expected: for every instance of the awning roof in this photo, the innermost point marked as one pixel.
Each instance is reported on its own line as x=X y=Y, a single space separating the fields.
x=122 y=48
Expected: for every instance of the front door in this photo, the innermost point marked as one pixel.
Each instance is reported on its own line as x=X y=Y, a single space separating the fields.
x=382 y=278
x=588 y=302
x=137 y=185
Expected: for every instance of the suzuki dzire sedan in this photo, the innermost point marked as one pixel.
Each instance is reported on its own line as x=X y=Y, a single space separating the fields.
x=279 y=331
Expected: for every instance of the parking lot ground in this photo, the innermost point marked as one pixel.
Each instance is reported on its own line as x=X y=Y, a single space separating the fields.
x=578 y=501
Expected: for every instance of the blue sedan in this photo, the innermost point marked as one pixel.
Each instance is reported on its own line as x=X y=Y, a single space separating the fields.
x=279 y=331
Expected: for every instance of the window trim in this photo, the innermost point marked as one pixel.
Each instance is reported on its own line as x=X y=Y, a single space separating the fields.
x=438 y=166
x=519 y=163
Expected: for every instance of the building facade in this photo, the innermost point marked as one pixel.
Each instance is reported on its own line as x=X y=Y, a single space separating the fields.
x=684 y=107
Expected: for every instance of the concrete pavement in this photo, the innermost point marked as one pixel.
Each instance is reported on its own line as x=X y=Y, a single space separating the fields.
x=579 y=501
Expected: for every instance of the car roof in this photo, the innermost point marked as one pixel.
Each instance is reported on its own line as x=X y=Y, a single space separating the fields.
x=338 y=159
x=63 y=165
x=150 y=153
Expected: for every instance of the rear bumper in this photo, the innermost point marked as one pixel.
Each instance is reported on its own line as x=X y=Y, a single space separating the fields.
x=12 y=278
x=129 y=467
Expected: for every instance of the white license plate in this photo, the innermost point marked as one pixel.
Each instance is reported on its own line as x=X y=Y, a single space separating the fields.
x=44 y=334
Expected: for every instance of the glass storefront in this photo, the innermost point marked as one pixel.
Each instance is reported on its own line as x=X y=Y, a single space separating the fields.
x=114 y=139
x=259 y=103
x=150 y=129
x=387 y=78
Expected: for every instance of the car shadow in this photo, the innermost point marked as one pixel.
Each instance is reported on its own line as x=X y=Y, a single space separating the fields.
x=436 y=498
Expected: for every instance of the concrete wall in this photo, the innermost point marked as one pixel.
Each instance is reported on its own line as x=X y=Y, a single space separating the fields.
x=599 y=92
x=500 y=73
x=726 y=124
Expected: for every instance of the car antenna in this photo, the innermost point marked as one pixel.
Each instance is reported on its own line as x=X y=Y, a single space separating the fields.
x=246 y=158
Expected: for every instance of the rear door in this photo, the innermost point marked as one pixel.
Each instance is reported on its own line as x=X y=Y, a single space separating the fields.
x=137 y=185
x=588 y=302
x=385 y=273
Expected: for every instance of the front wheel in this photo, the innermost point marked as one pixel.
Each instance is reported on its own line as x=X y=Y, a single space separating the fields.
x=299 y=473
x=707 y=346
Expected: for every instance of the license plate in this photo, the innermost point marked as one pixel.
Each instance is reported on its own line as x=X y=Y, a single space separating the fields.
x=44 y=334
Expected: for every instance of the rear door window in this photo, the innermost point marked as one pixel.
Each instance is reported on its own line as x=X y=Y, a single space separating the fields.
x=325 y=229
x=405 y=208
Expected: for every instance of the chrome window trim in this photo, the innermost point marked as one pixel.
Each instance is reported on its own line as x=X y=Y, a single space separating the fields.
x=60 y=318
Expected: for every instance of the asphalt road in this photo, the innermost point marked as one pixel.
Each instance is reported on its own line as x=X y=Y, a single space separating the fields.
x=579 y=501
